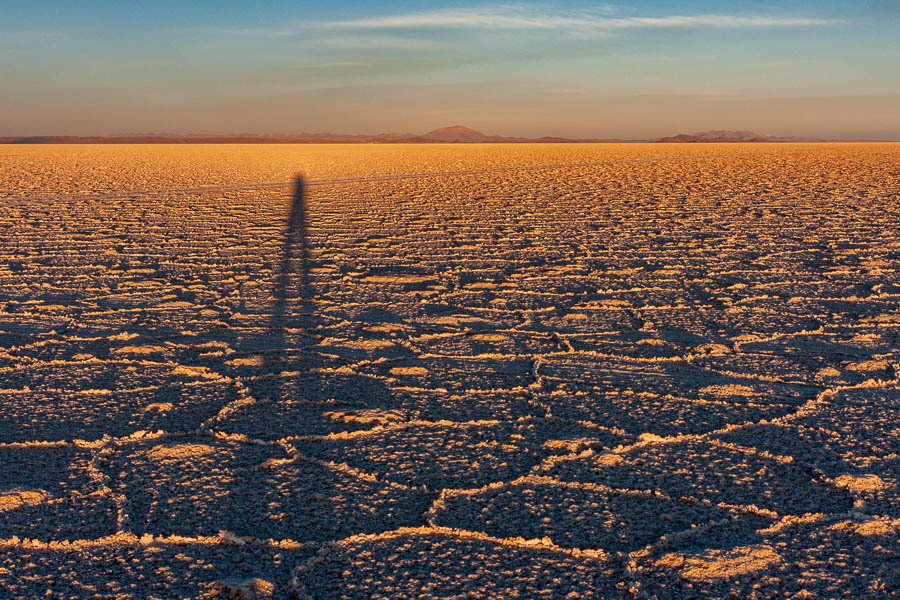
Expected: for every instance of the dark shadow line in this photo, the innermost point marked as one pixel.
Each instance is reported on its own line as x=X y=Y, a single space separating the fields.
x=295 y=263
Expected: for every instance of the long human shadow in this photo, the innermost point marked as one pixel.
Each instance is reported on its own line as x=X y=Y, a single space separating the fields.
x=300 y=399
x=293 y=271
x=290 y=392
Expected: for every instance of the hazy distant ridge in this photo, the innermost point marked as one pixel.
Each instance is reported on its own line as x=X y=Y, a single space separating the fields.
x=456 y=134
x=720 y=136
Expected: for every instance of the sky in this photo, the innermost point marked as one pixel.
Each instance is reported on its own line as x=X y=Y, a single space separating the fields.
x=643 y=69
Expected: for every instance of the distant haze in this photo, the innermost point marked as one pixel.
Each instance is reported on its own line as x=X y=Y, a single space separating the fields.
x=454 y=134
x=639 y=70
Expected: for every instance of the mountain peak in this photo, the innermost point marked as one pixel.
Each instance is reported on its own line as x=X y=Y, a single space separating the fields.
x=455 y=133
x=744 y=135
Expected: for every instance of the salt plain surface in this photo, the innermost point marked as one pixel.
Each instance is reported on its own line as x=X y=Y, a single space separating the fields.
x=530 y=371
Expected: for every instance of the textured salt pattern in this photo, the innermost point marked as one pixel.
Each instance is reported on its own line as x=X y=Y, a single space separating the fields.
x=450 y=371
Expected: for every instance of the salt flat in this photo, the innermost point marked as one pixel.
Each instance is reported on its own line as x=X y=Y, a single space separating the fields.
x=636 y=371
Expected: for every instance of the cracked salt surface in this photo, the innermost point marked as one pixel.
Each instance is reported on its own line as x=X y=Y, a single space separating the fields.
x=450 y=371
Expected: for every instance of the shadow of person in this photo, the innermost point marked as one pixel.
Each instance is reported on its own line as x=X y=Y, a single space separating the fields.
x=295 y=385
x=293 y=272
x=295 y=378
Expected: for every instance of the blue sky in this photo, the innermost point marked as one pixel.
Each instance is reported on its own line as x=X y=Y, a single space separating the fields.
x=641 y=69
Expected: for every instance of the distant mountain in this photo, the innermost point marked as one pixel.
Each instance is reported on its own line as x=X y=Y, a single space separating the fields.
x=725 y=136
x=347 y=137
x=456 y=134
x=717 y=134
x=69 y=139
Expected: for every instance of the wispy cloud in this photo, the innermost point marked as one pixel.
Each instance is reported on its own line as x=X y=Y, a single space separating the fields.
x=383 y=42
x=522 y=17
x=259 y=32
x=306 y=32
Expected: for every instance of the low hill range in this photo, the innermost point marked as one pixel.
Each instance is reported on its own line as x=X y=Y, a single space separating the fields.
x=456 y=134
x=720 y=136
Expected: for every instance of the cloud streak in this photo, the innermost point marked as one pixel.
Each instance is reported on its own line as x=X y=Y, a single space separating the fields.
x=523 y=18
